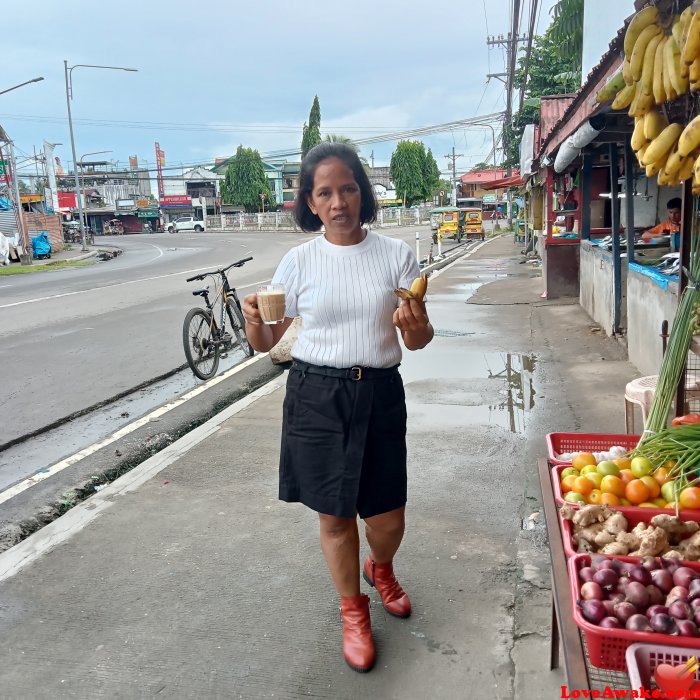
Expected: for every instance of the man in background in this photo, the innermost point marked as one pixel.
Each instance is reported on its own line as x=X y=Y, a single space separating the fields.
x=672 y=225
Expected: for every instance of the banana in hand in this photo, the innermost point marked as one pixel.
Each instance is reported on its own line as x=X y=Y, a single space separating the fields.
x=417 y=291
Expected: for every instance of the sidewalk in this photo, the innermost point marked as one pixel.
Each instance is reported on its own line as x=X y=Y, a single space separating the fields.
x=188 y=578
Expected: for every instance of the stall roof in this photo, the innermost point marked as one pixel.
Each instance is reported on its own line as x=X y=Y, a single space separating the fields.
x=512 y=181
x=552 y=109
x=583 y=105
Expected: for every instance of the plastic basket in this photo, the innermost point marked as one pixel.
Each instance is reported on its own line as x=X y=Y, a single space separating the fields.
x=562 y=443
x=633 y=515
x=607 y=648
x=642 y=660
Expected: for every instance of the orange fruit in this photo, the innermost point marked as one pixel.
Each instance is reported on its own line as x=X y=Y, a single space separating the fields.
x=595 y=497
x=612 y=484
x=670 y=464
x=567 y=483
x=626 y=475
x=661 y=475
x=636 y=491
x=689 y=497
x=594 y=478
x=582 y=485
x=623 y=462
x=582 y=459
x=610 y=499
x=653 y=486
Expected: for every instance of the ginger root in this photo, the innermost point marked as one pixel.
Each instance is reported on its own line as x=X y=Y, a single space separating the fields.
x=588 y=534
x=675 y=528
x=629 y=539
x=587 y=515
x=616 y=524
x=653 y=541
x=615 y=548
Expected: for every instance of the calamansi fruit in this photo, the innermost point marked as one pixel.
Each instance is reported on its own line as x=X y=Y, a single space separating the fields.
x=661 y=475
x=582 y=485
x=595 y=497
x=641 y=466
x=567 y=483
x=653 y=486
x=612 y=484
x=646 y=504
x=582 y=459
x=610 y=499
x=690 y=498
x=623 y=462
x=568 y=471
x=636 y=491
x=624 y=502
x=659 y=502
x=573 y=497
x=595 y=478
x=588 y=468
x=608 y=467
x=667 y=492
x=626 y=475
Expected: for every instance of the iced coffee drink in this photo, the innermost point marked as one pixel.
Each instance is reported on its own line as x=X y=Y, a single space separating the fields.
x=271 y=303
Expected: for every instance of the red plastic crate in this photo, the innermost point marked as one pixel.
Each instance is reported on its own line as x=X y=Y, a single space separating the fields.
x=607 y=648
x=634 y=516
x=642 y=660
x=561 y=443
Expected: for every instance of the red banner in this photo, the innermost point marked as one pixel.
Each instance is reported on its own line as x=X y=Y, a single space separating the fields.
x=66 y=200
x=179 y=199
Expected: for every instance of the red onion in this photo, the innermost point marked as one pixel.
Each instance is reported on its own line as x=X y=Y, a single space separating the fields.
x=611 y=623
x=687 y=628
x=650 y=563
x=639 y=623
x=662 y=579
x=592 y=591
x=637 y=594
x=680 y=610
x=606 y=578
x=622 y=585
x=683 y=576
x=640 y=574
x=609 y=607
x=677 y=593
x=694 y=589
x=586 y=573
x=664 y=624
x=607 y=564
x=670 y=564
x=696 y=617
x=623 y=611
x=656 y=610
x=592 y=610
x=695 y=603
x=656 y=597
x=617 y=598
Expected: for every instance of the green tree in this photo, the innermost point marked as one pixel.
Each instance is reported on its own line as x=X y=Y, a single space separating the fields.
x=431 y=174
x=481 y=166
x=245 y=181
x=23 y=187
x=551 y=71
x=567 y=29
x=338 y=138
x=311 y=133
x=406 y=169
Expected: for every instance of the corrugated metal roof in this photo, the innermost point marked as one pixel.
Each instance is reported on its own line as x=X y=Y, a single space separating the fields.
x=478 y=177
x=552 y=109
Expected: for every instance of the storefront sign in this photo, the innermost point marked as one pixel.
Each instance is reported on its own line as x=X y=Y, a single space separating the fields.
x=143 y=203
x=489 y=198
x=147 y=214
x=176 y=200
x=26 y=198
x=3 y=172
x=66 y=200
x=126 y=204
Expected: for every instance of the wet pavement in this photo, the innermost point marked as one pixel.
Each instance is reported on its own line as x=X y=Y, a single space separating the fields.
x=188 y=578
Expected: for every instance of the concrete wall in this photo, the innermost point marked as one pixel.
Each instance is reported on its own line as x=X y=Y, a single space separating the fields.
x=596 y=294
x=51 y=223
x=648 y=304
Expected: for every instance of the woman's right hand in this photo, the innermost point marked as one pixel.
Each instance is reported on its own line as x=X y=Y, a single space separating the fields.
x=251 y=312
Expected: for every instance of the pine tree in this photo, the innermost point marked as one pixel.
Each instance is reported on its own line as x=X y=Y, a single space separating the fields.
x=311 y=133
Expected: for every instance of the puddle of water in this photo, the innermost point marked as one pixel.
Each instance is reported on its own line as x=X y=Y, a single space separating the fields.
x=469 y=388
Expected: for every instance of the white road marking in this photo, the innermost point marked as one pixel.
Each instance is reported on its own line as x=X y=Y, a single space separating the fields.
x=15 y=559
x=118 y=284
x=437 y=273
x=34 y=479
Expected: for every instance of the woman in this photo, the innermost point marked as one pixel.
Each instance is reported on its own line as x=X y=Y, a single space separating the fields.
x=344 y=427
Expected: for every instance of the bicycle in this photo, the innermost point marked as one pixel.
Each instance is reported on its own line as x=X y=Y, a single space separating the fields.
x=205 y=339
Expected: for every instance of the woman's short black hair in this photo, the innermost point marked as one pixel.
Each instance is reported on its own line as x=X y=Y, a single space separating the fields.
x=305 y=218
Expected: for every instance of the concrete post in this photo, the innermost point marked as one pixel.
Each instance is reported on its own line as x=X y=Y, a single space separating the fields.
x=240 y=221
x=259 y=222
x=381 y=217
x=277 y=221
x=398 y=217
x=418 y=246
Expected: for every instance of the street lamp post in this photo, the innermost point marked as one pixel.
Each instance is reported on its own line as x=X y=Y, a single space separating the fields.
x=26 y=82
x=69 y=96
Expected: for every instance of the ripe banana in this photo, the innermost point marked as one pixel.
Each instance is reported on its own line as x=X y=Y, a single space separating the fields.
x=654 y=168
x=674 y=163
x=642 y=19
x=640 y=47
x=624 y=97
x=686 y=170
x=691 y=49
x=648 y=74
x=417 y=291
x=627 y=72
x=696 y=173
x=672 y=65
x=678 y=25
x=663 y=143
x=611 y=88
x=654 y=123
x=645 y=103
x=694 y=74
x=639 y=140
x=640 y=154
x=689 y=139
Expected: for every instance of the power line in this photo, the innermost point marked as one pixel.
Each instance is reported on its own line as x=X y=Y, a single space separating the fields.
x=528 y=50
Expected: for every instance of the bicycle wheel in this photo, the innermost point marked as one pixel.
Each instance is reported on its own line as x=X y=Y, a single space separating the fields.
x=201 y=352
x=235 y=316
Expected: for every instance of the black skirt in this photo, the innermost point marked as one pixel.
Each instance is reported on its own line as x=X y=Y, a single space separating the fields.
x=344 y=444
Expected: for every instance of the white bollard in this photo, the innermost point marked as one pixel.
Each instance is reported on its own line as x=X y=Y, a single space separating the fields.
x=439 y=246
x=418 y=246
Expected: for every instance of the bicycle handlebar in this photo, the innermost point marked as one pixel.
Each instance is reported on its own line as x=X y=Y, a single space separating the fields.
x=238 y=263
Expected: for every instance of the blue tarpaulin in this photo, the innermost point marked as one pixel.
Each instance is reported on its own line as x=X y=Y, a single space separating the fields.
x=41 y=245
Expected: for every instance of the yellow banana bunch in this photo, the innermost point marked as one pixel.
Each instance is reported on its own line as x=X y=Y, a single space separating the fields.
x=639 y=22
x=417 y=291
x=696 y=177
x=661 y=146
x=639 y=140
x=624 y=97
x=689 y=139
x=611 y=88
x=654 y=123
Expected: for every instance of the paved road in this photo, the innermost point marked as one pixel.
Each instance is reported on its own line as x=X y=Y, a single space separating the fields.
x=79 y=336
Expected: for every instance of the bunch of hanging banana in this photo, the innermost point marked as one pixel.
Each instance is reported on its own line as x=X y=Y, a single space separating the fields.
x=662 y=61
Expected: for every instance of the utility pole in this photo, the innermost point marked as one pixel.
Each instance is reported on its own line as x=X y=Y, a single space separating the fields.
x=454 y=157
x=371 y=157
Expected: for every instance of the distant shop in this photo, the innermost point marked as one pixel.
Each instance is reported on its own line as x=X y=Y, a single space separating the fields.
x=174 y=205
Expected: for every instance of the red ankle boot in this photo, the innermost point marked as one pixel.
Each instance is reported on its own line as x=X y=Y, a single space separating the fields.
x=381 y=576
x=358 y=645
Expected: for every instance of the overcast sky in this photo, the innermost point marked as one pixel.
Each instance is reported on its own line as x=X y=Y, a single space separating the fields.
x=219 y=74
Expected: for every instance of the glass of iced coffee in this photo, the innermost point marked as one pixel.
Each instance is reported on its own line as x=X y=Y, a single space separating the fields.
x=271 y=303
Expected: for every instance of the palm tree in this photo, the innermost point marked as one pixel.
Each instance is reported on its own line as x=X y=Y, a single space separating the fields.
x=339 y=138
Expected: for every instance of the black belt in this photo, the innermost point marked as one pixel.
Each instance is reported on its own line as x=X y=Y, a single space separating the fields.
x=354 y=373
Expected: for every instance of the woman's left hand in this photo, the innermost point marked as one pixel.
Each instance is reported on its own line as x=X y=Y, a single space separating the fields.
x=411 y=316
